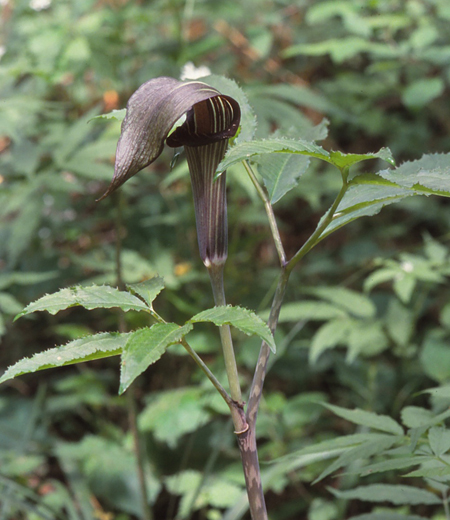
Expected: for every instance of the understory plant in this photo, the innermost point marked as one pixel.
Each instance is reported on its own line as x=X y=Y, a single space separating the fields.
x=214 y=124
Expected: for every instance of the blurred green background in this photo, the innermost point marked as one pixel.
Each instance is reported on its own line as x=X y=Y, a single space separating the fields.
x=379 y=71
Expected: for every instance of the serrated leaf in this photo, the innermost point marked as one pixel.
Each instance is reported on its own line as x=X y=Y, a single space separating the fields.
x=370 y=419
x=395 y=494
x=149 y=289
x=243 y=319
x=342 y=160
x=247 y=150
x=367 y=195
x=146 y=346
x=93 y=297
x=281 y=172
x=85 y=349
x=430 y=173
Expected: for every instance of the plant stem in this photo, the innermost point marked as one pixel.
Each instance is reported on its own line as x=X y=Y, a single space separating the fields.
x=264 y=353
x=245 y=435
x=314 y=239
x=216 y=275
x=445 y=504
x=252 y=473
x=247 y=440
x=269 y=211
x=286 y=269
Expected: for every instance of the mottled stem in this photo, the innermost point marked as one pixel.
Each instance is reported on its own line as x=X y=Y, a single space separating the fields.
x=264 y=353
x=252 y=473
x=245 y=435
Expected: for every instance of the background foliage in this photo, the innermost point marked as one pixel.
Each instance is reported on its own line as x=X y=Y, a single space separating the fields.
x=367 y=318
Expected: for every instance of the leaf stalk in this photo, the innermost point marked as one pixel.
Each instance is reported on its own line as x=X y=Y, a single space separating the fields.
x=269 y=211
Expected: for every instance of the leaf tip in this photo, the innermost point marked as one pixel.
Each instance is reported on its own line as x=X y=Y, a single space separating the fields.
x=19 y=315
x=122 y=388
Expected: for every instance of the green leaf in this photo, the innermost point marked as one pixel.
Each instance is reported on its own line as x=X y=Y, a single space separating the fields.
x=380 y=276
x=339 y=443
x=440 y=391
x=173 y=413
x=339 y=49
x=149 y=289
x=345 y=48
x=26 y=278
x=400 y=322
x=146 y=346
x=366 y=338
x=439 y=440
x=243 y=319
x=369 y=419
x=392 y=464
x=367 y=196
x=435 y=357
x=342 y=160
x=329 y=335
x=251 y=149
x=434 y=469
x=118 y=115
x=93 y=297
x=281 y=173
x=387 y=516
x=395 y=494
x=362 y=452
x=295 y=95
x=430 y=174
x=417 y=417
x=9 y=304
x=423 y=91
x=308 y=310
x=354 y=302
x=85 y=349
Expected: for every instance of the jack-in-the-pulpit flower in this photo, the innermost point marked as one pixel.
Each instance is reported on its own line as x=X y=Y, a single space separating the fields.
x=211 y=119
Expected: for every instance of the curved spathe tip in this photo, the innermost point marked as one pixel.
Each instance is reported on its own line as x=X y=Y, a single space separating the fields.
x=152 y=112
